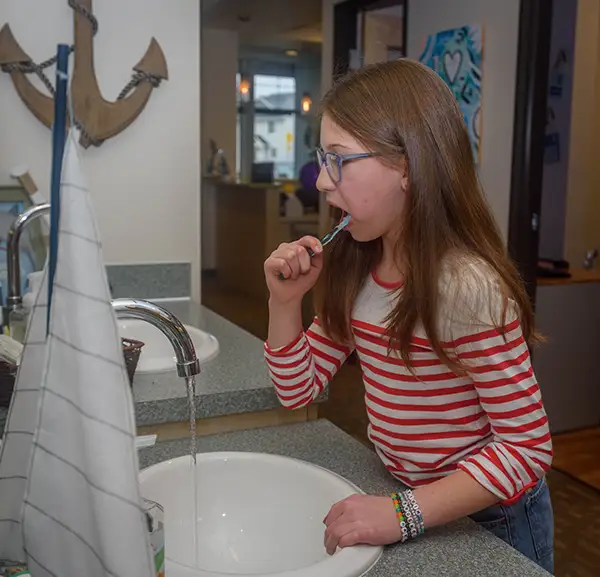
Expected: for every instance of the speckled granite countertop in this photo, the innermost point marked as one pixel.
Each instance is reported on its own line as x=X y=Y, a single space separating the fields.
x=458 y=550
x=235 y=381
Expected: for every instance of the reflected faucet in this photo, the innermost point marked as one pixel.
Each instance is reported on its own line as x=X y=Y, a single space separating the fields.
x=188 y=364
x=185 y=353
x=14 y=298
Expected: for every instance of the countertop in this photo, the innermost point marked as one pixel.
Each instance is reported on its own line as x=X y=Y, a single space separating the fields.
x=457 y=550
x=578 y=276
x=235 y=381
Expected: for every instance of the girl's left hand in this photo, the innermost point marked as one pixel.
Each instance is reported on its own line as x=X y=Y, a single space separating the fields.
x=361 y=519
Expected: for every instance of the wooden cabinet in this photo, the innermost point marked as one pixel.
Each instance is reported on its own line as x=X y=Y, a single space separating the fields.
x=567 y=365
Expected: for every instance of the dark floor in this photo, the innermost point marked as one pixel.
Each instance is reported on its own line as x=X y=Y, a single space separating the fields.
x=578 y=455
x=576 y=504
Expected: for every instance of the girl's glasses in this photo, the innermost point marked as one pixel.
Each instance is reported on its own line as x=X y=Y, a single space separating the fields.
x=333 y=161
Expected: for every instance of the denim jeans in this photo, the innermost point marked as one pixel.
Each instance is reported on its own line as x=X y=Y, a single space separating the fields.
x=527 y=525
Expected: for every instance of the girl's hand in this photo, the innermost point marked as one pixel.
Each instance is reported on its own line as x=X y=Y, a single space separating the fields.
x=299 y=270
x=361 y=519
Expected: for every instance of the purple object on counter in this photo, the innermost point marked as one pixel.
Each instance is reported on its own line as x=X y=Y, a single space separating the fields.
x=308 y=176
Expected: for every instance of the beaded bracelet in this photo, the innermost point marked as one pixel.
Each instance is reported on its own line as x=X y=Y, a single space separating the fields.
x=417 y=511
x=401 y=517
x=409 y=515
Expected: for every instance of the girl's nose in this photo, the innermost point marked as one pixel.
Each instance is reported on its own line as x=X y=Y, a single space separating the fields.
x=324 y=182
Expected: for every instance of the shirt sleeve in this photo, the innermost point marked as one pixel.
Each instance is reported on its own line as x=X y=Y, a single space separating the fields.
x=488 y=338
x=301 y=370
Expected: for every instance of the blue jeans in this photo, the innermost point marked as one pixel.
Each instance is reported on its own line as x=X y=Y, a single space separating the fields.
x=527 y=525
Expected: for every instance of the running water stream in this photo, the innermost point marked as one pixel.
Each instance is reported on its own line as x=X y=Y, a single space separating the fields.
x=190 y=383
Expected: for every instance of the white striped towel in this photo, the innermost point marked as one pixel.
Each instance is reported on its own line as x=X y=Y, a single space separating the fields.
x=69 y=496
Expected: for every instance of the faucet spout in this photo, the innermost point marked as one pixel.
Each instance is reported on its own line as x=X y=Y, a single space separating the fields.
x=13 y=256
x=188 y=364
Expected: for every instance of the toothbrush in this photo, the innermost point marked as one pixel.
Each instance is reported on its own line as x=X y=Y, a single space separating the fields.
x=328 y=237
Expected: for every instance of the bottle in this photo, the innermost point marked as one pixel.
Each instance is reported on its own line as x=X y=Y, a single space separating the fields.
x=155 y=516
x=17 y=323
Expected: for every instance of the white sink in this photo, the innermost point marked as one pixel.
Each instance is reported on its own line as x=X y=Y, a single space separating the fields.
x=257 y=515
x=157 y=355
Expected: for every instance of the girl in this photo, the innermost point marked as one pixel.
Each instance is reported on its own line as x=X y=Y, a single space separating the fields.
x=421 y=288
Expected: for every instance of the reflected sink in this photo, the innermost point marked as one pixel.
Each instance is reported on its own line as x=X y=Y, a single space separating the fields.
x=257 y=515
x=157 y=355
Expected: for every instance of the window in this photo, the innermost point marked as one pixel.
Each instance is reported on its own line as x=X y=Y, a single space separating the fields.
x=276 y=129
x=274 y=123
x=278 y=144
x=274 y=92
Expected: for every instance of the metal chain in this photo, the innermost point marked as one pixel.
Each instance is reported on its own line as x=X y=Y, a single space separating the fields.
x=38 y=69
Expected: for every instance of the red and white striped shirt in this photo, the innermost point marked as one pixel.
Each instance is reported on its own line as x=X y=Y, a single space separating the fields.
x=491 y=423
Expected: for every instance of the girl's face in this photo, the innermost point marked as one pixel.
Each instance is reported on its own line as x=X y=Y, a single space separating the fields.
x=371 y=191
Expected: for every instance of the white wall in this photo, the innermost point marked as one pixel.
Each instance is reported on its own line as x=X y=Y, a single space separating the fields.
x=219 y=67
x=500 y=20
x=583 y=202
x=145 y=181
x=219 y=55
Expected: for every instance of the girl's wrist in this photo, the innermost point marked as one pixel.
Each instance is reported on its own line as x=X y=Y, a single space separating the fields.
x=284 y=307
x=409 y=515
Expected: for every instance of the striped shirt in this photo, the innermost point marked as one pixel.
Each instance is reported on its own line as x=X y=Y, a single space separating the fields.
x=489 y=423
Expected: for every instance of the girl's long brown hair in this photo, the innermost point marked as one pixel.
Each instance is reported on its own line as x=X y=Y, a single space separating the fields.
x=406 y=113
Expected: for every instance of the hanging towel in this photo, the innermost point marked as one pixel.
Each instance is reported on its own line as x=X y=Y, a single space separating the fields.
x=69 y=496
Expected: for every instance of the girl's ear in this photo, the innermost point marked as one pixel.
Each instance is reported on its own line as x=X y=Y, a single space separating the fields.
x=404 y=176
x=404 y=182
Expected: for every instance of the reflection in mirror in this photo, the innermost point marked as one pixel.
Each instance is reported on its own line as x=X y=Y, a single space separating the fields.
x=260 y=67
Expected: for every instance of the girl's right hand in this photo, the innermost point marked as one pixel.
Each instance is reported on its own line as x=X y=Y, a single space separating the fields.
x=297 y=267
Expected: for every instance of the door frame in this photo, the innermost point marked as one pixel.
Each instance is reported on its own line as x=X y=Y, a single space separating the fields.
x=345 y=29
x=533 y=62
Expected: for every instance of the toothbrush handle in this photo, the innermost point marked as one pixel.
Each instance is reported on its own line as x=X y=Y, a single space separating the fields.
x=326 y=239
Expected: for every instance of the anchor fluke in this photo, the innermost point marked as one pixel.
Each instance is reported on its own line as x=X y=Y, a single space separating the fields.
x=16 y=62
x=153 y=62
x=10 y=50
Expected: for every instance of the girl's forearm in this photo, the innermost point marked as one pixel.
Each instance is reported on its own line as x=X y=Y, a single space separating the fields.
x=453 y=497
x=285 y=324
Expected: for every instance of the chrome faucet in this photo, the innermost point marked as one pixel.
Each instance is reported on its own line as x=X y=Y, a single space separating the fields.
x=14 y=298
x=188 y=364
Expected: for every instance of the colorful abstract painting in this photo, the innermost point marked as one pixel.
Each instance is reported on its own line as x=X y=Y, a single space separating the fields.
x=456 y=55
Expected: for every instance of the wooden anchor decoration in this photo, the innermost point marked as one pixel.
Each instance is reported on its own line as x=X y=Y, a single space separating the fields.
x=98 y=119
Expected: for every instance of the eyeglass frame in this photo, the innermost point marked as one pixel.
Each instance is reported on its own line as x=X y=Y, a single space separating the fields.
x=340 y=159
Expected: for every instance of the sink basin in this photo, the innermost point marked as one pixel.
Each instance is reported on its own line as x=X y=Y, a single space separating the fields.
x=257 y=515
x=157 y=355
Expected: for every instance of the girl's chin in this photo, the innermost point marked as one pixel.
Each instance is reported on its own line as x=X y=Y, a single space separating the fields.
x=359 y=235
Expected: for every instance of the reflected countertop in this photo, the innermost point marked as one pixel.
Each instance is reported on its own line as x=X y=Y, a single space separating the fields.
x=235 y=381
